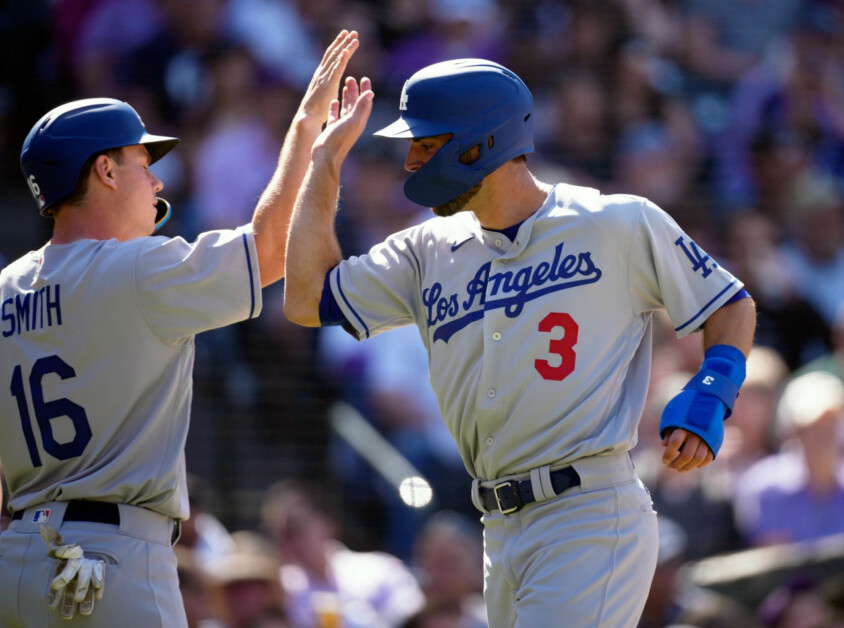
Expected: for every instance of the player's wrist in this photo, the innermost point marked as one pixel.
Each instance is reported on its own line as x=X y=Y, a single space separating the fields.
x=306 y=120
x=707 y=399
x=326 y=162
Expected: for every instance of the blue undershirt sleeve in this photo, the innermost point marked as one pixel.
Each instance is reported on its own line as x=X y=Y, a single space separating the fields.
x=738 y=296
x=329 y=311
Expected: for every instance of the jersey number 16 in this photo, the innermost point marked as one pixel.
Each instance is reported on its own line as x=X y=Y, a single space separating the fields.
x=46 y=411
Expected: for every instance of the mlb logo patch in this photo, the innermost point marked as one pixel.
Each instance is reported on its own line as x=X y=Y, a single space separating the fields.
x=41 y=516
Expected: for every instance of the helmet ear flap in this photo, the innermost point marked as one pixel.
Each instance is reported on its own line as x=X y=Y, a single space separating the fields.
x=442 y=178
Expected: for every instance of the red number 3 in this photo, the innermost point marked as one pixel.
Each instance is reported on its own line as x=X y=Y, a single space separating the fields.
x=564 y=347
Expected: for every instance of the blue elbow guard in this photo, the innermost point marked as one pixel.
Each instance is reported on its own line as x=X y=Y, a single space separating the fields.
x=708 y=398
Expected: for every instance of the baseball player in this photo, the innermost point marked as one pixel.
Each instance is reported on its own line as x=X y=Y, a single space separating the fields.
x=535 y=303
x=97 y=353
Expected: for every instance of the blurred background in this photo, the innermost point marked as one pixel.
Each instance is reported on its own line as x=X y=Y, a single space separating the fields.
x=729 y=114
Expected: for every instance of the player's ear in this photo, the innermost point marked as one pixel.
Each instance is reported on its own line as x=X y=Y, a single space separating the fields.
x=103 y=169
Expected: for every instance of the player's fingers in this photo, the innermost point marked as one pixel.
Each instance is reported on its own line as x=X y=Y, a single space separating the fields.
x=339 y=39
x=677 y=454
x=326 y=78
x=334 y=111
x=672 y=444
x=365 y=84
x=339 y=45
x=363 y=107
x=345 y=107
x=706 y=455
x=697 y=450
x=350 y=98
x=332 y=70
x=353 y=86
x=683 y=458
x=351 y=91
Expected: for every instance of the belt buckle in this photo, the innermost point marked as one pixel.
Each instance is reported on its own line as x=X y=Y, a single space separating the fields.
x=517 y=503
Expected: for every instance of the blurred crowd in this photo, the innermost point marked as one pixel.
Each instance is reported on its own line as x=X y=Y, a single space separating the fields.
x=729 y=114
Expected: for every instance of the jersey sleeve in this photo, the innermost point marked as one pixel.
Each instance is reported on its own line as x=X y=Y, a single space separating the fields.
x=376 y=291
x=186 y=288
x=669 y=270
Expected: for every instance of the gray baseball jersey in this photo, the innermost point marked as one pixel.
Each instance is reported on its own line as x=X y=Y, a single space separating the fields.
x=539 y=348
x=97 y=359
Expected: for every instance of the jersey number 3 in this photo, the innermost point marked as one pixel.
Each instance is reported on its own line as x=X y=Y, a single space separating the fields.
x=564 y=347
x=46 y=411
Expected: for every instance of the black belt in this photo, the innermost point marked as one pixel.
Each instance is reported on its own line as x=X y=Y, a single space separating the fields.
x=512 y=495
x=94 y=512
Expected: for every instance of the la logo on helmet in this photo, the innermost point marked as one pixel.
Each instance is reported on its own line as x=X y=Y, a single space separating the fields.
x=403 y=101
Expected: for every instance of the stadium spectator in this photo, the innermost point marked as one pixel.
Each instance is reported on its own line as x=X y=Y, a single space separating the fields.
x=320 y=575
x=448 y=558
x=786 y=321
x=798 y=493
x=248 y=578
x=814 y=250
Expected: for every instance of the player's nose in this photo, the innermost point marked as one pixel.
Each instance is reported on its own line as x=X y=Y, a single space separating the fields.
x=414 y=160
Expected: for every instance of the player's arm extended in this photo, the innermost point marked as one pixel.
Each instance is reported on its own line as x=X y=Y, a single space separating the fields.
x=727 y=336
x=271 y=219
x=312 y=247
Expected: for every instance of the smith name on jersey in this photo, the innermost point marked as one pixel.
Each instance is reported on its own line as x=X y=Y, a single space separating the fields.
x=31 y=309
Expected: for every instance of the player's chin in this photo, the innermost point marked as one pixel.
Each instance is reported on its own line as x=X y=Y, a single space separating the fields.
x=457 y=204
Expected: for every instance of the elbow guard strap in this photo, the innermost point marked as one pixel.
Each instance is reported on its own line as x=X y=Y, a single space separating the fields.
x=708 y=397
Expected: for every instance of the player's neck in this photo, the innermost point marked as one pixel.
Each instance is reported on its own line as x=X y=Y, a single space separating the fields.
x=85 y=222
x=510 y=195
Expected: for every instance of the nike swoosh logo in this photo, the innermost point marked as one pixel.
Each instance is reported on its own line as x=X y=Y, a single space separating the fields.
x=454 y=247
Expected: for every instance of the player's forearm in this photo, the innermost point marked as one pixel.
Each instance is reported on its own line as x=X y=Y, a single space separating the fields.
x=733 y=324
x=312 y=247
x=271 y=220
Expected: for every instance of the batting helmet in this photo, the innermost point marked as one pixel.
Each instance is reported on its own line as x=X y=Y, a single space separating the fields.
x=483 y=104
x=62 y=141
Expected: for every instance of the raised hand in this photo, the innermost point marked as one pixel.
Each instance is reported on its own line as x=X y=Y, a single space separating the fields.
x=346 y=120
x=325 y=82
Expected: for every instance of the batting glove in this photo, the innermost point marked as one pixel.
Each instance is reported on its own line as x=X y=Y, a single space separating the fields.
x=78 y=581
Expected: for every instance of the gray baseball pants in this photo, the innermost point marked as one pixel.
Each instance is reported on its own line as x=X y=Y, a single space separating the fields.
x=583 y=559
x=141 y=582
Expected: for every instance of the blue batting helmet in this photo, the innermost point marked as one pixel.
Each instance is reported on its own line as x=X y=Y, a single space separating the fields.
x=62 y=141
x=483 y=104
